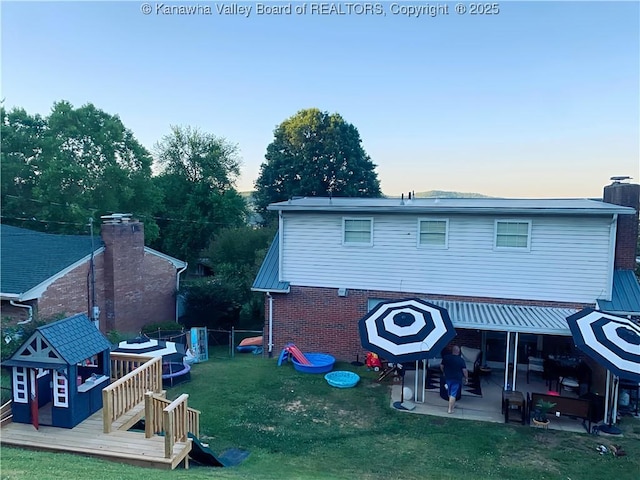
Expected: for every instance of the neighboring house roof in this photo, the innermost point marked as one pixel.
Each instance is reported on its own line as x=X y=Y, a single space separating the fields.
x=453 y=205
x=625 y=298
x=176 y=262
x=29 y=258
x=31 y=261
x=67 y=341
x=508 y=318
x=268 y=278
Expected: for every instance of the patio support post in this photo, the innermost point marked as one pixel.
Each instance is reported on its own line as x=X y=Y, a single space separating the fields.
x=506 y=361
x=417 y=386
x=606 y=398
x=415 y=381
x=424 y=378
x=614 y=407
x=515 y=361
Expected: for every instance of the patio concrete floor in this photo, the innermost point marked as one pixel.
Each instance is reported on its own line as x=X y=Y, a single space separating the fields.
x=486 y=408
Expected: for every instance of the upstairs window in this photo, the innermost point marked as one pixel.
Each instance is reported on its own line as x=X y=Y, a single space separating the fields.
x=433 y=233
x=513 y=234
x=357 y=231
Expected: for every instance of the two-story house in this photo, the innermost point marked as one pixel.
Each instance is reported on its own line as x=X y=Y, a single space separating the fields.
x=507 y=270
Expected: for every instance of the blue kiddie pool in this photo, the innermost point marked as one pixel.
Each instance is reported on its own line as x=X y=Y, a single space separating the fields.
x=320 y=363
x=342 y=379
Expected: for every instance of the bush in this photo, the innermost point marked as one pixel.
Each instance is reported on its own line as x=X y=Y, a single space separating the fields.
x=211 y=303
x=170 y=330
x=14 y=335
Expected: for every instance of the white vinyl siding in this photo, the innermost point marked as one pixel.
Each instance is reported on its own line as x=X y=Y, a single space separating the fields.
x=20 y=385
x=433 y=233
x=357 y=231
x=513 y=234
x=568 y=259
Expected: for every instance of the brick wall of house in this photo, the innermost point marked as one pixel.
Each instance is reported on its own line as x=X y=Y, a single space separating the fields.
x=69 y=294
x=628 y=195
x=159 y=282
x=318 y=320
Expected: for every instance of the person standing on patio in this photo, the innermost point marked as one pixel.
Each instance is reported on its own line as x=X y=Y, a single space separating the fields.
x=454 y=369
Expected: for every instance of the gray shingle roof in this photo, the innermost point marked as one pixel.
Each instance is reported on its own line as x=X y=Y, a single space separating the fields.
x=75 y=338
x=626 y=294
x=28 y=258
x=72 y=340
x=267 y=279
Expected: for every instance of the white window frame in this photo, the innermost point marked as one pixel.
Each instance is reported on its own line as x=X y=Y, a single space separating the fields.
x=60 y=390
x=20 y=382
x=526 y=248
x=357 y=244
x=446 y=233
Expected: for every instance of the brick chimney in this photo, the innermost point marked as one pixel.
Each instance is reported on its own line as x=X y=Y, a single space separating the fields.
x=627 y=195
x=123 y=238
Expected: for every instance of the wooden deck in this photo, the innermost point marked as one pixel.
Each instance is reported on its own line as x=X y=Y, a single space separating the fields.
x=105 y=434
x=88 y=438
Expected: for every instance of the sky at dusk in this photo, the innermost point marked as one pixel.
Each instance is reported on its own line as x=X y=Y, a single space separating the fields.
x=536 y=99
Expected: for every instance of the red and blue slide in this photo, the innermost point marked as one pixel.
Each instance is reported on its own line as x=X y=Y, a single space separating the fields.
x=291 y=349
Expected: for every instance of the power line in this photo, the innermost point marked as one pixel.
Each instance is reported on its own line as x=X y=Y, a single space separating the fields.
x=24 y=219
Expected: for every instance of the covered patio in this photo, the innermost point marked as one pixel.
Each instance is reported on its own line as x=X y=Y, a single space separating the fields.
x=487 y=407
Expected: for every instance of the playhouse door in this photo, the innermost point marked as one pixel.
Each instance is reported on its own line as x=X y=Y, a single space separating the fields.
x=33 y=397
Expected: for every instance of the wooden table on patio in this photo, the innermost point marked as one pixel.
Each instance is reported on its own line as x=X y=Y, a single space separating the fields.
x=513 y=398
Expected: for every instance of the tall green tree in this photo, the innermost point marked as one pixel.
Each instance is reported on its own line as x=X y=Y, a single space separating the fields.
x=199 y=171
x=74 y=164
x=235 y=255
x=315 y=153
x=22 y=139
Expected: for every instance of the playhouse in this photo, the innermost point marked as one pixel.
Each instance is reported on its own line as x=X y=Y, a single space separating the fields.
x=59 y=372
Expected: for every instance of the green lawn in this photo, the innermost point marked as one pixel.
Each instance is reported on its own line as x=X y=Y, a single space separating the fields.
x=297 y=427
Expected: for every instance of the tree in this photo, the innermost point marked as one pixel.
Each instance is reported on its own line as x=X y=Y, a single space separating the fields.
x=199 y=171
x=72 y=165
x=315 y=153
x=21 y=135
x=212 y=303
x=226 y=300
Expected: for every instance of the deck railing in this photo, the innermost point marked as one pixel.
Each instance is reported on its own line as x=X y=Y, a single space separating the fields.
x=123 y=363
x=6 y=415
x=154 y=406
x=124 y=394
x=174 y=421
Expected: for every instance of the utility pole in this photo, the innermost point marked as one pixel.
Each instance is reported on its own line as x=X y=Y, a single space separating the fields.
x=94 y=310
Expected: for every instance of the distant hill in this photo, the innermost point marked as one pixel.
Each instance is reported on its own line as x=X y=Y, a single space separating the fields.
x=430 y=194
x=445 y=194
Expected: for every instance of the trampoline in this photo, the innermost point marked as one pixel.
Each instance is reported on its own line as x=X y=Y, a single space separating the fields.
x=174 y=373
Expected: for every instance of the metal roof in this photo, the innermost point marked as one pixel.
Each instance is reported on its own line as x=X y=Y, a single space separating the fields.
x=578 y=206
x=268 y=278
x=508 y=318
x=625 y=298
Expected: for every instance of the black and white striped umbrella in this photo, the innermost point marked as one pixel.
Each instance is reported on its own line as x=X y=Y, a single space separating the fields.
x=406 y=330
x=610 y=340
